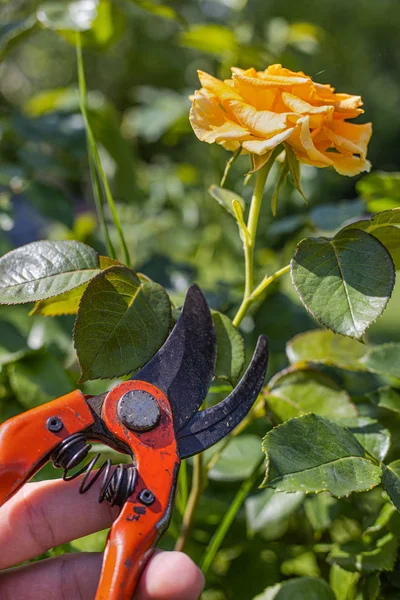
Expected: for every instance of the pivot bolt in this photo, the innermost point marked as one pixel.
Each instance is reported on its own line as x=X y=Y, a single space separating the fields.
x=54 y=424
x=147 y=497
x=139 y=410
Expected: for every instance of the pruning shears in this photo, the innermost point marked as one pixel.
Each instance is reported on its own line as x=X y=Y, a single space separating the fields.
x=154 y=417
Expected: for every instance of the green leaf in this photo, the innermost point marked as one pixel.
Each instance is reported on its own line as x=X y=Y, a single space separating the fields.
x=311 y=454
x=380 y=521
x=344 y=282
x=369 y=588
x=302 y=562
x=385 y=226
x=238 y=460
x=38 y=378
x=321 y=510
x=383 y=359
x=380 y=190
x=295 y=393
x=13 y=33
x=343 y=583
x=269 y=508
x=300 y=588
x=284 y=169
x=366 y=556
x=294 y=169
x=387 y=398
x=122 y=321
x=230 y=349
x=68 y=302
x=325 y=347
x=373 y=436
x=225 y=198
x=43 y=269
x=64 y=304
x=391 y=481
x=69 y=16
x=210 y=38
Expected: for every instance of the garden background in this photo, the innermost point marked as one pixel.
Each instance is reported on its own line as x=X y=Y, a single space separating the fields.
x=141 y=59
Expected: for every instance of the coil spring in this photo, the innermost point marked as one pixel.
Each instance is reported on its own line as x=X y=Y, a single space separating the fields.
x=116 y=486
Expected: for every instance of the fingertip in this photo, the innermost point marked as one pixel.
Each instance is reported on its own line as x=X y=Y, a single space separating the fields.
x=171 y=575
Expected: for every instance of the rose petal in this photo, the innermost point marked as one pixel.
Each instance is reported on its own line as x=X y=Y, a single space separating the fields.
x=262 y=146
x=307 y=144
x=349 y=165
x=258 y=122
x=348 y=136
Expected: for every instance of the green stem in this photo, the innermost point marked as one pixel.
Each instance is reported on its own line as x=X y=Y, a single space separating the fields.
x=228 y=519
x=97 y=166
x=194 y=497
x=249 y=241
x=100 y=207
x=266 y=282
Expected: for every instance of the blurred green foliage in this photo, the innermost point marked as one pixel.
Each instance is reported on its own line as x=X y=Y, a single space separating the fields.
x=141 y=58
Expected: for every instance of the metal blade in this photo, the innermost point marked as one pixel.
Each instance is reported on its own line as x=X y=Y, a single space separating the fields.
x=209 y=426
x=183 y=368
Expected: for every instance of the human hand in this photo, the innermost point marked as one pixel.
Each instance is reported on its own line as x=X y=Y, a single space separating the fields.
x=43 y=515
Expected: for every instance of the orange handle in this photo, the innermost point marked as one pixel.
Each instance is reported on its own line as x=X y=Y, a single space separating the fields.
x=143 y=518
x=132 y=539
x=26 y=443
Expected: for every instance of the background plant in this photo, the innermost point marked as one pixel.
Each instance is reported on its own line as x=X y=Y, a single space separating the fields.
x=125 y=146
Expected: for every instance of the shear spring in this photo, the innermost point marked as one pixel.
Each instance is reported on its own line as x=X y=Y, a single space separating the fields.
x=116 y=486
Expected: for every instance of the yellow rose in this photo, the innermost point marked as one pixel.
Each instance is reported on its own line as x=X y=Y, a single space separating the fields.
x=258 y=110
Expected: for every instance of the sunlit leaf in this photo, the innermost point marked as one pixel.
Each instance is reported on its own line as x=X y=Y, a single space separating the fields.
x=385 y=226
x=344 y=282
x=269 y=507
x=366 y=556
x=122 y=321
x=373 y=436
x=292 y=394
x=68 y=302
x=383 y=359
x=387 y=398
x=301 y=588
x=326 y=347
x=311 y=454
x=225 y=198
x=343 y=583
x=43 y=269
x=238 y=460
x=380 y=190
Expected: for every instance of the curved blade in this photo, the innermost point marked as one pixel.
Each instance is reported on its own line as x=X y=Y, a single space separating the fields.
x=184 y=366
x=209 y=426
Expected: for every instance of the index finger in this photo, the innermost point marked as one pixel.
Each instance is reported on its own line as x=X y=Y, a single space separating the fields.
x=46 y=514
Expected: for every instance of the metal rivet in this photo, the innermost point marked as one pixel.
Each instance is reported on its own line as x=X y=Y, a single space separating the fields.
x=139 y=410
x=147 y=497
x=54 y=424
